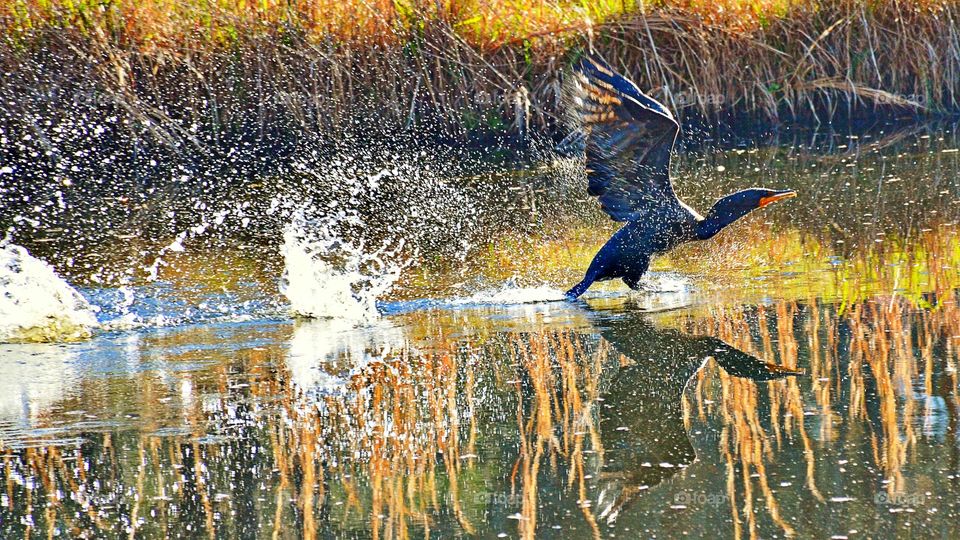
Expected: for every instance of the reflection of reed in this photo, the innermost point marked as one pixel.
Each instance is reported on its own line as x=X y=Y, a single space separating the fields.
x=424 y=430
x=404 y=412
x=873 y=355
x=558 y=402
x=385 y=455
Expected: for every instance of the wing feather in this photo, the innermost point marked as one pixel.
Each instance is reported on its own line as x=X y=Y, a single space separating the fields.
x=628 y=137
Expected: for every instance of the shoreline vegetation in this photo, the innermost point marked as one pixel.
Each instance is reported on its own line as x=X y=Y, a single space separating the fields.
x=195 y=74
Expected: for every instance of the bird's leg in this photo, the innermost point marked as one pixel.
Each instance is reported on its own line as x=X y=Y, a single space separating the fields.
x=581 y=287
x=595 y=272
x=601 y=267
x=635 y=271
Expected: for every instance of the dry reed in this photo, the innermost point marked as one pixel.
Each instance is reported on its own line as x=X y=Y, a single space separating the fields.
x=191 y=76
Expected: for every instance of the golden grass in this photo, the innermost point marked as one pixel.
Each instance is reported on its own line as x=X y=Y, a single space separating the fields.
x=492 y=23
x=314 y=65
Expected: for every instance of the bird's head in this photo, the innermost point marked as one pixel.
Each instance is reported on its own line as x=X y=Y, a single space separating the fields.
x=735 y=206
x=742 y=202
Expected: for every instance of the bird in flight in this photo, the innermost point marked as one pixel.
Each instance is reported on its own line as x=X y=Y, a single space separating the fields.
x=628 y=137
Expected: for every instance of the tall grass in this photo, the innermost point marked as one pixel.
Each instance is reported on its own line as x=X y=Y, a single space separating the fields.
x=194 y=75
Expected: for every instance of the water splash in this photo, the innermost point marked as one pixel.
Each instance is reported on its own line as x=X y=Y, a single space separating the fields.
x=666 y=282
x=36 y=305
x=664 y=291
x=511 y=294
x=328 y=276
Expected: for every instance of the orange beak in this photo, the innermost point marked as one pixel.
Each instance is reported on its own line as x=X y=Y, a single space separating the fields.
x=777 y=197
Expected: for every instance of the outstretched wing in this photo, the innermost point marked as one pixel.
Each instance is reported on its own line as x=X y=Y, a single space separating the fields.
x=627 y=136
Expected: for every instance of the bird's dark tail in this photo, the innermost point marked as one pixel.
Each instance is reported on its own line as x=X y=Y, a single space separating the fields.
x=579 y=288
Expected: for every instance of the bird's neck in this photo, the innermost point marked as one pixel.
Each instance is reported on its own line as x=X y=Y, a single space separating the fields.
x=719 y=217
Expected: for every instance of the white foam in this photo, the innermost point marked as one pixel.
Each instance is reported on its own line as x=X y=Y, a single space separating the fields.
x=664 y=292
x=666 y=282
x=37 y=305
x=658 y=287
x=326 y=276
x=510 y=294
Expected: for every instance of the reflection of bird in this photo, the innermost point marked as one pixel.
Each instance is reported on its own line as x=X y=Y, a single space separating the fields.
x=628 y=138
x=642 y=429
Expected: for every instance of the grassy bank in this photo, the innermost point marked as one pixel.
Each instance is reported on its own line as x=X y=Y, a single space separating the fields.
x=172 y=80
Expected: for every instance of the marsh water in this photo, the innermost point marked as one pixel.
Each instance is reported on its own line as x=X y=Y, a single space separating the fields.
x=443 y=388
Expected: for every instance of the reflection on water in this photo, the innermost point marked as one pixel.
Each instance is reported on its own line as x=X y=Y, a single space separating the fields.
x=323 y=353
x=35 y=378
x=642 y=412
x=571 y=420
x=662 y=413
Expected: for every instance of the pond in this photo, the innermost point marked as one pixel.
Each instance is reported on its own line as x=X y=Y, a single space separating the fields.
x=796 y=375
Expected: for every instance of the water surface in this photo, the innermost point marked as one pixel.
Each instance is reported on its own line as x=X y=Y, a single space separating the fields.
x=477 y=405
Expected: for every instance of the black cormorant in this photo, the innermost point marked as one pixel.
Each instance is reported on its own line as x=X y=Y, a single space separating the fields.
x=628 y=137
